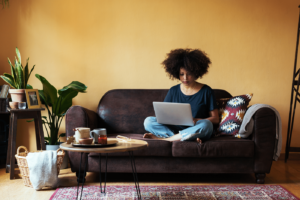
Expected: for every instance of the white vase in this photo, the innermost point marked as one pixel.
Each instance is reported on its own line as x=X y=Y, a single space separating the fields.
x=64 y=165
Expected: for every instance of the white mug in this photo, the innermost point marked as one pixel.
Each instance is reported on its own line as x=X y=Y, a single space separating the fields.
x=95 y=134
x=81 y=133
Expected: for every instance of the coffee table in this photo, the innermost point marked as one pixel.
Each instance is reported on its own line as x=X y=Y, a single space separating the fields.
x=122 y=146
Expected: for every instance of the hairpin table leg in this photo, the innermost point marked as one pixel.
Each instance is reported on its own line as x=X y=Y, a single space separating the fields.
x=105 y=174
x=136 y=181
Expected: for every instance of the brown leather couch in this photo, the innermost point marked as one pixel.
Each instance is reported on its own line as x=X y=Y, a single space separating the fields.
x=122 y=112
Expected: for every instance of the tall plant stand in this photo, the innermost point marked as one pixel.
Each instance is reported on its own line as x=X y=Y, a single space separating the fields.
x=295 y=98
x=16 y=114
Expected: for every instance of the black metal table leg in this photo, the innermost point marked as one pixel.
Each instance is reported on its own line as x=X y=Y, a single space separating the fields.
x=85 y=166
x=135 y=177
x=105 y=174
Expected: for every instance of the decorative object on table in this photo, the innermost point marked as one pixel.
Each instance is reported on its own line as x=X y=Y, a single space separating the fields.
x=18 y=78
x=274 y=192
x=24 y=167
x=33 y=98
x=81 y=133
x=233 y=114
x=13 y=105
x=86 y=141
x=57 y=106
x=110 y=142
x=21 y=105
x=4 y=91
x=70 y=139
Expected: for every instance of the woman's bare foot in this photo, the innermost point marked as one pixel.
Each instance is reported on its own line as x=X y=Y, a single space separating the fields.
x=151 y=136
x=199 y=140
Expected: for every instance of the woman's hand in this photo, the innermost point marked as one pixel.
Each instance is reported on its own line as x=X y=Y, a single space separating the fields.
x=195 y=120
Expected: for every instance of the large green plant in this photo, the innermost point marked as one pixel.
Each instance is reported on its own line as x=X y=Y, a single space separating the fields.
x=57 y=103
x=19 y=76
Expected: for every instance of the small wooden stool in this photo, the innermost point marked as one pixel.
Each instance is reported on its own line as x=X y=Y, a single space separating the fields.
x=16 y=114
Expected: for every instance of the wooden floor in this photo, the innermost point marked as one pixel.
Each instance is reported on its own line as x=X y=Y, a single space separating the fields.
x=285 y=174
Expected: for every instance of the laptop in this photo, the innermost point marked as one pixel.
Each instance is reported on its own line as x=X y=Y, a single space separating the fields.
x=173 y=113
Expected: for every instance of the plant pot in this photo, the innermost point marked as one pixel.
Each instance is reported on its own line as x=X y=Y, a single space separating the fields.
x=64 y=165
x=17 y=95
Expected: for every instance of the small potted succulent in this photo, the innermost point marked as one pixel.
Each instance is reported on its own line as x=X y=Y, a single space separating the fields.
x=18 y=78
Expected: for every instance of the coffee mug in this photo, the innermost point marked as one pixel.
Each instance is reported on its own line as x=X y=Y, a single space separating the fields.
x=99 y=136
x=81 y=133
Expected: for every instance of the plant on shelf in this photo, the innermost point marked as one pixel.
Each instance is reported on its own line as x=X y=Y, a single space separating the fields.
x=57 y=102
x=18 y=78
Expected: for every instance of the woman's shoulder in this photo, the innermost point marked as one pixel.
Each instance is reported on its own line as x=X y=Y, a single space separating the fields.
x=175 y=88
x=206 y=88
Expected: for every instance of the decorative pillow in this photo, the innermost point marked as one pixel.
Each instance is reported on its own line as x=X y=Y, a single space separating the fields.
x=232 y=113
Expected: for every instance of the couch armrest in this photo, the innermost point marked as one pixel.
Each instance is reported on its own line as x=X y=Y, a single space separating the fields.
x=264 y=136
x=78 y=116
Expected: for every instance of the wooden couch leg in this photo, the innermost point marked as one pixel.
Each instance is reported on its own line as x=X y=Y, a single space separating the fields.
x=79 y=179
x=260 y=178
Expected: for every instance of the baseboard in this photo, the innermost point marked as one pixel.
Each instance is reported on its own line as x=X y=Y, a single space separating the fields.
x=292 y=156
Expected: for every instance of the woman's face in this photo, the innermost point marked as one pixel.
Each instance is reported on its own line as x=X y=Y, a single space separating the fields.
x=186 y=77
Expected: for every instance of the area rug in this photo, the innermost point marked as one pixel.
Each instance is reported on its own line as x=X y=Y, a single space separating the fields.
x=205 y=192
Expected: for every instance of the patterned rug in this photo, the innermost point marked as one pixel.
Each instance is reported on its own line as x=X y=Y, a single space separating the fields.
x=207 y=192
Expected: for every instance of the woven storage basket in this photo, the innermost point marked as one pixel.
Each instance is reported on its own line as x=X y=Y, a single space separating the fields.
x=23 y=166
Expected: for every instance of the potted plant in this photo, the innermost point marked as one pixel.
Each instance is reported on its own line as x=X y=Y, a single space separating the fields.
x=18 y=78
x=57 y=102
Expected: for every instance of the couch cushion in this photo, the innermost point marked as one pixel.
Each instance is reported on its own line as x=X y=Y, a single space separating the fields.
x=155 y=147
x=233 y=114
x=223 y=146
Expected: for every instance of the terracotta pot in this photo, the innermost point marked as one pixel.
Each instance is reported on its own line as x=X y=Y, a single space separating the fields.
x=17 y=95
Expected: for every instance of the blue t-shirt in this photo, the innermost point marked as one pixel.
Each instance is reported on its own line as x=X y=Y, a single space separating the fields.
x=201 y=102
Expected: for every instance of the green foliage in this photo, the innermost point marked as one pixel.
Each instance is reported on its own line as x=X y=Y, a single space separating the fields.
x=19 y=76
x=4 y=3
x=57 y=103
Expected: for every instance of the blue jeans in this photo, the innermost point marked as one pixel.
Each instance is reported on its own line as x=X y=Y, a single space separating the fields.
x=203 y=129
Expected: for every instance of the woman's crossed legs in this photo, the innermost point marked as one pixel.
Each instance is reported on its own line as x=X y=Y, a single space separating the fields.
x=202 y=130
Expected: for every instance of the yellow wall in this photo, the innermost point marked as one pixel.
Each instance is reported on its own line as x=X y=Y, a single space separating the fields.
x=121 y=43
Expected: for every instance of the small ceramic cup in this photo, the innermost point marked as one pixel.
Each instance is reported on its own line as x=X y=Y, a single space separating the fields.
x=81 y=133
x=96 y=133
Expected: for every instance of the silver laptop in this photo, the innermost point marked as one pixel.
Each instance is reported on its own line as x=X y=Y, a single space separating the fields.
x=173 y=113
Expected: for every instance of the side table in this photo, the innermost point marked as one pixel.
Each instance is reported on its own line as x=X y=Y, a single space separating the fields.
x=16 y=114
x=122 y=146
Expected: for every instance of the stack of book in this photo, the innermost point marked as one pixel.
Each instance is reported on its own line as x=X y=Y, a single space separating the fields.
x=3 y=98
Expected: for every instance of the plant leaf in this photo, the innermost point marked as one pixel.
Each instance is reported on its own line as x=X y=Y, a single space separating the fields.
x=67 y=94
x=20 y=77
x=66 y=100
x=29 y=86
x=31 y=120
x=49 y=91
x=9 y=81
x=18 y=55
x=42 y=97
x=26 y=77
x=62 y=135
x=75 y=85
x=31 y=70
x=13 y=73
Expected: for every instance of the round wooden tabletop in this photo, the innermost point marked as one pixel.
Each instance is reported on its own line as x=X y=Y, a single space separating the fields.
x=121 y=146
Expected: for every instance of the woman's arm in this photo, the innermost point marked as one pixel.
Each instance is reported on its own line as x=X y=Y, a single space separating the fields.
x=213 y=117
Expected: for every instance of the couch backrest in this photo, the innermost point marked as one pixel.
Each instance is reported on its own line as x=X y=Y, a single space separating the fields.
x=124 y=110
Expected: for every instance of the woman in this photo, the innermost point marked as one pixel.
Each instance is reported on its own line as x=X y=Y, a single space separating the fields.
x=187 y=65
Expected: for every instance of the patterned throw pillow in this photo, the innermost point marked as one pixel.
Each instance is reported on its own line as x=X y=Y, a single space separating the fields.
x=232 y=113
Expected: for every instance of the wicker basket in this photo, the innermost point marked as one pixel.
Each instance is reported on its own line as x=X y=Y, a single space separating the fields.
x=22 y=163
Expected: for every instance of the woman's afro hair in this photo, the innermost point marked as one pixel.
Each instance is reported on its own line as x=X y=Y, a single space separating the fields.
x=194 y=61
